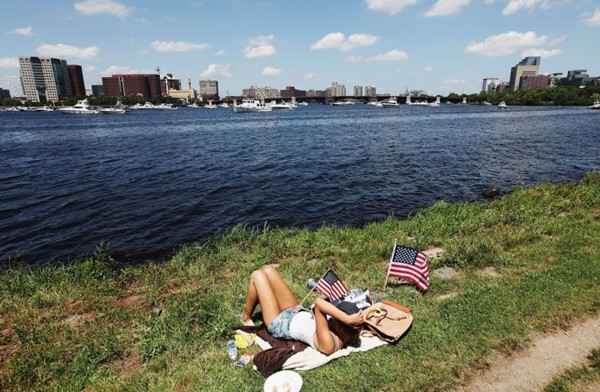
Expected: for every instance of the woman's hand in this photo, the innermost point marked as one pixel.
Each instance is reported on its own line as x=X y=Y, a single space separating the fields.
x=354 y=320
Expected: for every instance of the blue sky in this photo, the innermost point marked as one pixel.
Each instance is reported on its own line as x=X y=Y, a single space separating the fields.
x=435 y=45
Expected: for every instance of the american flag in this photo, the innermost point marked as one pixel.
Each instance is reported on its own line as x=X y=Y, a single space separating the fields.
x=411 y=265
x=331 y=286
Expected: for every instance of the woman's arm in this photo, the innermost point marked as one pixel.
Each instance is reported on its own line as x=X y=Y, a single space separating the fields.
x=325 y=340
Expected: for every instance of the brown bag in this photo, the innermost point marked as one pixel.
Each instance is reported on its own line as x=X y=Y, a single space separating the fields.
x=387 y=322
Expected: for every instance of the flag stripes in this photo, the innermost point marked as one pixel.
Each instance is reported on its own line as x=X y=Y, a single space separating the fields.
x=410 y=265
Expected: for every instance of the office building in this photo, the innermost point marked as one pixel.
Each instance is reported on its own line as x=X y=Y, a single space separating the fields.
x=336 y=90
x=169 y=83
x=209 y=89
x=316 y=93
x=97 y=90
x=261 y=92
x=292 y=92
x=370 y=91
x=529 y=66
x=535 y=82
x=184 y=95
x=44 y=79
x=358 y=91
x=4 y=94
x=489 y=85
x=132 y=85
x=577 y=77
x=77 y=82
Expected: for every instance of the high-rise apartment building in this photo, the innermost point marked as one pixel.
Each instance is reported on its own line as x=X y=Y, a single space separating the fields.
x=77 y=82
x=132 y=85
x=529 y=66
x=209 y=89
x=292 y=92
x=535 y=82
x=169 y=83
x=97 y=90
x=370 y=91
x=4 y=94
x=358 y=91
x=44 y=79
x=489 y=85
x=336 y=90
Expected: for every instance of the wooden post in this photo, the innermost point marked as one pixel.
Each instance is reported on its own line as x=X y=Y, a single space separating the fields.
x=387 y=275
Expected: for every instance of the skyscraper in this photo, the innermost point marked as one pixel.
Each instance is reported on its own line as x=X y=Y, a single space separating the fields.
x=44 y=79
x=489 y=85
x=370 y=91
x=132 y=85
x=336 y=90
x=358 y=91
x=529 y=66
x=76 y=78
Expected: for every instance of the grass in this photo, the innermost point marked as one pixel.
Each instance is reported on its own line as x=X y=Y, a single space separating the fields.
x=580 y=378
x=100 y=326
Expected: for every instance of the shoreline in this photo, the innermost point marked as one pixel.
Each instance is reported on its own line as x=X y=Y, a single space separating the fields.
x=526 y=262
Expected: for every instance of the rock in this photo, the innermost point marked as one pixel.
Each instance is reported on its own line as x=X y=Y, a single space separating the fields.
x=433 y=252
x=489 y=272
x=445 y=273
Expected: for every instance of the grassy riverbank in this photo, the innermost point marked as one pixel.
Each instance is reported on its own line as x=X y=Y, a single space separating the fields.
x=527 y=262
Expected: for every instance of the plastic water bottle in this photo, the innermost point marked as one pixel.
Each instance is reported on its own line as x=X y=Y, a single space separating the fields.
x=232 y=350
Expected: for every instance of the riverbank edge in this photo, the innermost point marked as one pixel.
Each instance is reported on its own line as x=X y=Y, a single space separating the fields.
x=102 y=326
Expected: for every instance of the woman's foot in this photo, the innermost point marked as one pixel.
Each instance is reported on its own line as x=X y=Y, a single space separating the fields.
x=246 y=321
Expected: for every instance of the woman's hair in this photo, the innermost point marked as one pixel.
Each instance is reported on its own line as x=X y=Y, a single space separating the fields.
x=349 y=335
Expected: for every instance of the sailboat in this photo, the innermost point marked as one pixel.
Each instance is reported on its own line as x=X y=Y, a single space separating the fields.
x=596 y=105
x=502 y=105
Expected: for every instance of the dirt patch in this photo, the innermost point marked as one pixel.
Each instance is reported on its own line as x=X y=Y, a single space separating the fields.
x=445 y=297
x=128 y=366
x=433 y=252
x=78 y=320
x=489 y=272
x=547 y=357
x=133 y=302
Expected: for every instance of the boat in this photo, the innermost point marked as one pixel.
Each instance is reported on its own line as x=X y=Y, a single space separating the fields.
x=119 y=108
x=464 y=101
x=11 y=109
x=391 y=102
x=596 y=106
x=302 y=104
x=409 y=102
x=281 y=106
x=486 y=103
x=42 y=109
x=194 y=106
x=165 y=106
x=224 y=105
x=437 y=103
x=376 y=104
x=145 y=106
x=252 y=106
x=343 y=103
x=211 y=106
x=502 y=105
x=82 y=107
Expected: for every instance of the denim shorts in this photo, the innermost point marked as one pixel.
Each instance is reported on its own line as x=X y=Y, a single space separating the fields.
x=280 y=326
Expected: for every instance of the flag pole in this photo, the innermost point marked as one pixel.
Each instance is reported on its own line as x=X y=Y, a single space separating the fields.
x=389 y=265
x=313 y=289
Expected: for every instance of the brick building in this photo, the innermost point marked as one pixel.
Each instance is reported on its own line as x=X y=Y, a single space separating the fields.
x=132 y=85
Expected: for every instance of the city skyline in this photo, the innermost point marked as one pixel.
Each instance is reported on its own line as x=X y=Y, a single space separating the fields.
x=438 y=46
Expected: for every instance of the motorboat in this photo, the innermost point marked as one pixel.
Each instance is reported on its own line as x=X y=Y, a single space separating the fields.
x=82 y=107
x=224 y=105
x=11 y=109
x=376 y=104
x=43 y=109
x=437 y=103
x=252 y=106
x=119 y=108
x=211 y=106
x=409 y=102
x=392 y=102
x=343 y=103
x=596 y=106
x=486 y=103
x=145 y=106
x=281 y=105
x=464 y=101
x=502 y=105
x=194 y=106
x=165 y=106
x=302 y=104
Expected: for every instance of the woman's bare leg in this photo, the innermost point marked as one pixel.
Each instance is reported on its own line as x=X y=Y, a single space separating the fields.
x=285 y=297
x=261 y=292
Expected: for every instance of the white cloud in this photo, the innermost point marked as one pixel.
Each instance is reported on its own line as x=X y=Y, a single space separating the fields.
x=541 y=52
x=454 y=82
x=89 y=68
x=121 y=70
x=24 y=31
x=177 y=46
x=93 y=7
x=594 y=19
x=510 y=43
x=392 y=55
x=260 y=46
x=447 y=7
x=514 y=6
x=9 y=62
x=310 y=76
x=340 y=41
x=217 y=71
x=68 y=51
x=271 y=71
x=219 y=52
x=429 y=68
x=390 y=7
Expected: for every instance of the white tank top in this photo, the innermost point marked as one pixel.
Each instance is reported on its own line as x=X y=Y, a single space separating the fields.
x=303 y=328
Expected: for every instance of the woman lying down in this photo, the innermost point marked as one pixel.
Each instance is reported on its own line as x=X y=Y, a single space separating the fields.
x=286 y=319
